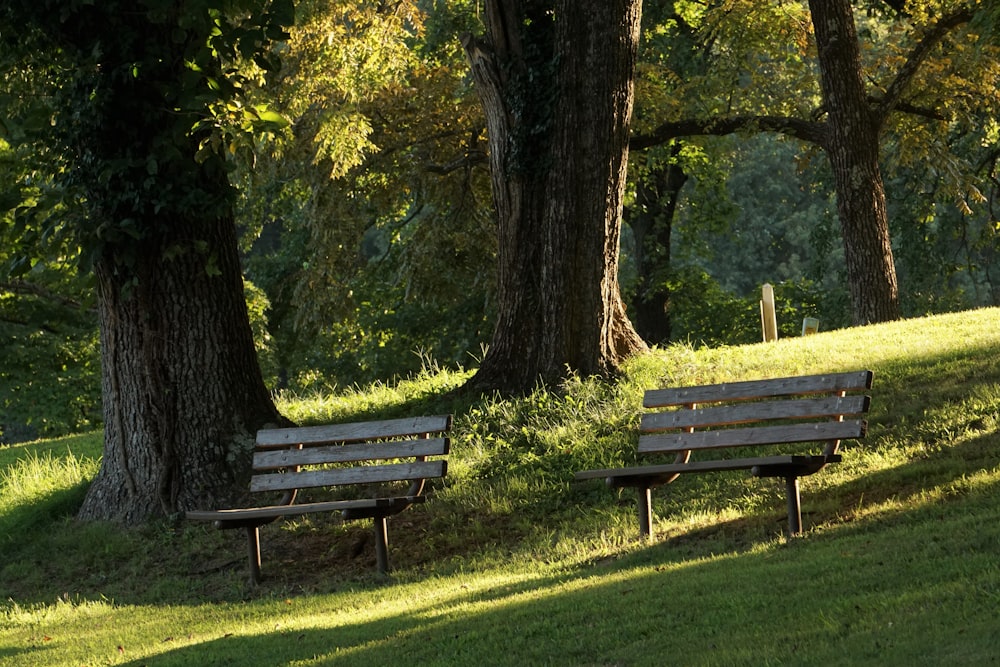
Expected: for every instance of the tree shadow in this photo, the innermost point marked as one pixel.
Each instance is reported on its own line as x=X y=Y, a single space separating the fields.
x=323 y=556
x=690 y=612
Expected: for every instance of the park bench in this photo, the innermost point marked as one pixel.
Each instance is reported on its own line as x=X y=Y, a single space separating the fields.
x=381 y=465
x=734 y=426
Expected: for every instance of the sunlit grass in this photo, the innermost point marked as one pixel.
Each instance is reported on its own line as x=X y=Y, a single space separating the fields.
x=512 y=563
x=38 y=476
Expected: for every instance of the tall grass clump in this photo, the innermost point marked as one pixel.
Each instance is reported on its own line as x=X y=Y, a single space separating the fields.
x=40 y=488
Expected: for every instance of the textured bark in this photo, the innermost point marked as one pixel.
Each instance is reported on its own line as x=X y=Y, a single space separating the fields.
x=182 y=389
x=183 y=393
x=852 y=146
x=556 y=87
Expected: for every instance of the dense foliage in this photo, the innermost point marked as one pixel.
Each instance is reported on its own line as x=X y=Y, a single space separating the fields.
x=365 y=207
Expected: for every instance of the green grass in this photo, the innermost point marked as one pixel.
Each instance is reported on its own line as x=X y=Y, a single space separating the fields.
x=513 y=563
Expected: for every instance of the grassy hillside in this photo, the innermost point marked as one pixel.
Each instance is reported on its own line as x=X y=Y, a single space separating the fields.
x=514 y=563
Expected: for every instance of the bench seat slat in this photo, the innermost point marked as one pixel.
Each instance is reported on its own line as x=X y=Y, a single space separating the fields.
x=739 y=391
x=643 y=475
x=333 y=433
x=275 y=511
x=755 y=435
x=286 y=458
x=390 y=472
x=808 y=408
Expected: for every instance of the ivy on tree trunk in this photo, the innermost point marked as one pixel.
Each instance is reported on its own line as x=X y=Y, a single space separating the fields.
x=146 y=108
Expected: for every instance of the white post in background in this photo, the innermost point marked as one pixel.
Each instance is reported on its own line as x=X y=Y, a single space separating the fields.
x=768 y=319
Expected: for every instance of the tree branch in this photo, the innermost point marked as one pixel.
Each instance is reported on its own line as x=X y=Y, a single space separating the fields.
x=913 y=110
x=21 y=287
x=811 y=131
x=471 y=158
x=920 y=52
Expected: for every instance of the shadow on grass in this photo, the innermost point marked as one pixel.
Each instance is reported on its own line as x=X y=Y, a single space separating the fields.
x=902 y=397
x=917 y=591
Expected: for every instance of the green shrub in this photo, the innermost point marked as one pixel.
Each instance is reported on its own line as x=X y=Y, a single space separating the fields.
x=49 y=367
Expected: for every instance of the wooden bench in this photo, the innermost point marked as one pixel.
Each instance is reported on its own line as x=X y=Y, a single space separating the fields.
x=365 y=456
x=717 y=420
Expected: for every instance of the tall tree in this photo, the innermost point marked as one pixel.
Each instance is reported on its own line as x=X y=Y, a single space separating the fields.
x=556 y=83
x=852 y=145
x=147 y=106
x=857 y=104
x=657 y=194
x=381 y=184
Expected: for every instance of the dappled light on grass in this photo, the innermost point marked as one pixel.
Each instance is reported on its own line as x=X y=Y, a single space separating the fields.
x=38 y=488
x=843 y=597
x=35 y=477
x=515 y=564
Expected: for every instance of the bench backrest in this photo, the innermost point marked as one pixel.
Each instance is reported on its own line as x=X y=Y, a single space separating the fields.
x=813 y=408
x=391 y=450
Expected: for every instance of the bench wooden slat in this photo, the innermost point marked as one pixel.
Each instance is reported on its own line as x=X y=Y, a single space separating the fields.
x=754 y=435
x=333 y=433
x=739 y=391
x=808 y=408
x=390 y=472
x=639 y=475
x=756 y=413
x=275 y=511
x=273 y=459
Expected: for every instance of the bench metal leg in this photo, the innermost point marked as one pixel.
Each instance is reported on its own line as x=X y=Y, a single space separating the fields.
x=645 y=512
x=253 y=550
x=794 y=505
x=381 y=545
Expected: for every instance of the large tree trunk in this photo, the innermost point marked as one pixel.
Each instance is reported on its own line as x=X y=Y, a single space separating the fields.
x=853 y=148
x=183 y=393
x=556 y=87
x=147 y=160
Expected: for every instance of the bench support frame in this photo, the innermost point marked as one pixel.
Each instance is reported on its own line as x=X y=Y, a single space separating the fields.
x=645 y=511
x=794 y=505
x=253 y=551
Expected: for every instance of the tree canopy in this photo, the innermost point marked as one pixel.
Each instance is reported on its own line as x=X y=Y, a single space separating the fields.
x=396 y=207
x=908 y=58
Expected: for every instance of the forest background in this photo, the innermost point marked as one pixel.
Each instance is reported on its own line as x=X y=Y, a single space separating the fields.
x=367 y=227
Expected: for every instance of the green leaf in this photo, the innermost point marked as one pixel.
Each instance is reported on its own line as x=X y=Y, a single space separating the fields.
x=273 y=119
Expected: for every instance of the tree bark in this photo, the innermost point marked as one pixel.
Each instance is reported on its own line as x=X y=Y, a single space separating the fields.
x=852 y=145
x=182 y=388
x=183 y=392
x=556 y=84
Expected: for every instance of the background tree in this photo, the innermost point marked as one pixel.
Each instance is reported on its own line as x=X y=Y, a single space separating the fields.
x=850 y=120
x=146 y=109
x=379 y=240
x=49 y=364
x=556 y=83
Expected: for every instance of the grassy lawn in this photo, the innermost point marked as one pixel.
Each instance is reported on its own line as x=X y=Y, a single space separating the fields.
x=513 y=563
